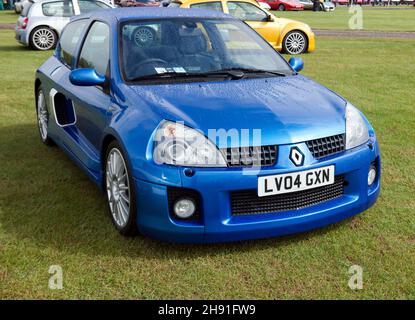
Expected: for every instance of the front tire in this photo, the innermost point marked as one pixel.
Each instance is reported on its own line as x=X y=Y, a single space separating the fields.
x=281 y=7
x=295 y=42
x=42 y=115
x=43 y=38
x=120 y=191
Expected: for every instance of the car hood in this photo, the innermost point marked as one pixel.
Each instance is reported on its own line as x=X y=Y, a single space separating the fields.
x=286 y=109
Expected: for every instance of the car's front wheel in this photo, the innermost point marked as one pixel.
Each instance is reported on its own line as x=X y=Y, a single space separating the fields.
x=295 y=42
x=43 y=38
x=120 y=190
x=281 y=7
x=42 y=114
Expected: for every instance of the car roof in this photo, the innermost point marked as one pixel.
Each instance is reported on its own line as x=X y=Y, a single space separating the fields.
x=143 y=13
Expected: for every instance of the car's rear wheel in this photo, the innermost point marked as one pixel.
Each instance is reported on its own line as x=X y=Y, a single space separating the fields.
x=295 y=42
x=42 y=114
x=120 y=191
x=281 y=7
x=43 y=38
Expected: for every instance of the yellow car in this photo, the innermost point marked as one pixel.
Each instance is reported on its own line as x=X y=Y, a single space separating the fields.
x=285 y=35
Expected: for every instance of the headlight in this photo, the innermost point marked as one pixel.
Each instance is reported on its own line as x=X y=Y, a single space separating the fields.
x=179 y=145
x=356 y=129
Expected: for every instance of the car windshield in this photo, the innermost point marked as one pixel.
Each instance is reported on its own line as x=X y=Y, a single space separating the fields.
x=186 y=48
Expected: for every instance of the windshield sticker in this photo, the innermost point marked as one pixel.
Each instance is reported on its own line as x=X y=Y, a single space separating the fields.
x=160 y=70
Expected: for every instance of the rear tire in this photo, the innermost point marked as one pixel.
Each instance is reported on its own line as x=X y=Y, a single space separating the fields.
x=43 y=38
x=42 y=115
x=120 y=190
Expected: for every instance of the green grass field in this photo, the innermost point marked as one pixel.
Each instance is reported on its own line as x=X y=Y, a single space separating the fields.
x=396 y=19
x=51 y=214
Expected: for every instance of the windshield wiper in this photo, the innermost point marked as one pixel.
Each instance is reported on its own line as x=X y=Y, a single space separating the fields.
x=178 y=75
x=244 y=71
x=233 y=73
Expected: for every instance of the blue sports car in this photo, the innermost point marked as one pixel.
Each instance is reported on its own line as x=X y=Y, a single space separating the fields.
x=197 y=130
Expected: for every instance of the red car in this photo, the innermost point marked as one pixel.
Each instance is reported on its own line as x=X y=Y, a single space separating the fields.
x=282 y=5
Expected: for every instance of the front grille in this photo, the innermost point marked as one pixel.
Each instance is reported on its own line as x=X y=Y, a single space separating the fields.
x=174 y=194
x=247 y=202
x=326 y=146
x=250 y=156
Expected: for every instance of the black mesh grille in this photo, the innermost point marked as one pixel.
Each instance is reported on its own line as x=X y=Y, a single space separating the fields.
x=326 y=146
x=247 y=201
x=250 y=156
x=174 y=194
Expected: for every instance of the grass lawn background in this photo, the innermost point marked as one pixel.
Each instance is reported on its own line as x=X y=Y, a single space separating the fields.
x=51 y=214
x=401 y=18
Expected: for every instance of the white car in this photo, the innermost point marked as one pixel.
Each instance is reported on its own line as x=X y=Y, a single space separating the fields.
x=41 y=21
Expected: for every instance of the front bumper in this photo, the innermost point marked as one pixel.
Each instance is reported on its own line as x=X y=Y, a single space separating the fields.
x=217 y=224
x=311 y=42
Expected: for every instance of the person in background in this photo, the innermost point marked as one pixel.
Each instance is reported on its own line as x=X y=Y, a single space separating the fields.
x=1 y=5
x=316 y=5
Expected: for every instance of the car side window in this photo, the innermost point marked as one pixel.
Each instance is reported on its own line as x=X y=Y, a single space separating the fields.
x=69 y=40
x=86 y=6
x=216 y=6
x=95 y=50
x=58 y=9
x=246 y=11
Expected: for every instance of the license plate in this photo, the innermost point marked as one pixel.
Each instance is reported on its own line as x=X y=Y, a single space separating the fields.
x=295 y=181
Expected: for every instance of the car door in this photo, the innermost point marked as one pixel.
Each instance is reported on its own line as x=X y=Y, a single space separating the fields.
x=81 y=111
x=256 y=18
x=92 y=103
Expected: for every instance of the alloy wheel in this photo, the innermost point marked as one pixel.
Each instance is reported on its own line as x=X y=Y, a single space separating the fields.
x=42 y=116
x=43 y=39
x=295 y=43
x=118 y=188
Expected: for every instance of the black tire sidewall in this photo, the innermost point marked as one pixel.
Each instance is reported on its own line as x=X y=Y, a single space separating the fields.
x=130 y=229
x=281 y=7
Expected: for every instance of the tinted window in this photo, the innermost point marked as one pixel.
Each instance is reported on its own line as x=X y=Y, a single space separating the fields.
x=69 y=40
x=58 y=9
x=95 y=51
x=86 y=6
x=216 y=6
x=246 y=11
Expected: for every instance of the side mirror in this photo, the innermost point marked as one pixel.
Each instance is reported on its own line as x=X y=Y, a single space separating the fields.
x=296 y=63
x=270 y=18
x=86 y=77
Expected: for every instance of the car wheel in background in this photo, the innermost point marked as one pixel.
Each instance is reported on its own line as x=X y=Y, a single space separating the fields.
x=43 y=38
x=295 y=42
x=144 y=36
x=281 y=7
x=42 y=114
x=120 y=190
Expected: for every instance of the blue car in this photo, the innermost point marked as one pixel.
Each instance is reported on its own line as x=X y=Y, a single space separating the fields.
x=198 y=131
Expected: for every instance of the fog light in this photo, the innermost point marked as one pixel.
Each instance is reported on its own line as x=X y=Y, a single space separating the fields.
x=184 y=208
x=371 y=175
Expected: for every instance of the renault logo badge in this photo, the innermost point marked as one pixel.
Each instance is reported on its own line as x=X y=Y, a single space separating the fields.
x=296 y=156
